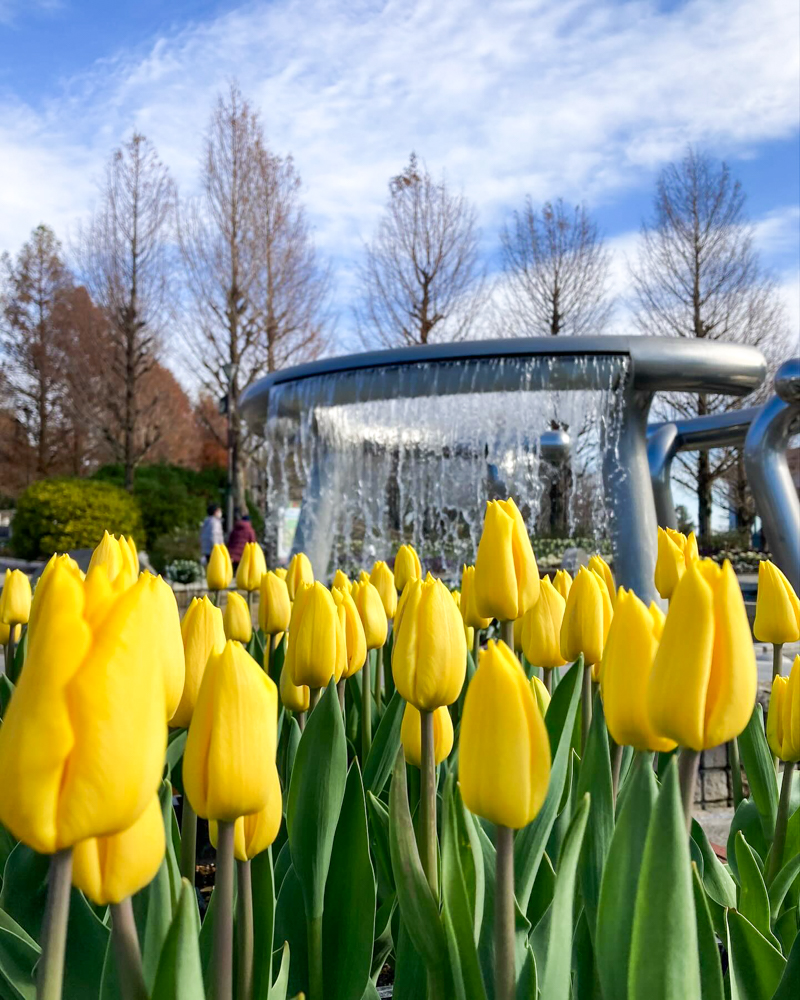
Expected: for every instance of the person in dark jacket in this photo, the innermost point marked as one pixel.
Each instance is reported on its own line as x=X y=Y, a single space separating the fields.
x=241 y=533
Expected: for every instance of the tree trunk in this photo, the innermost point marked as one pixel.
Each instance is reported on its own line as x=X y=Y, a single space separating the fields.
x=743 y=509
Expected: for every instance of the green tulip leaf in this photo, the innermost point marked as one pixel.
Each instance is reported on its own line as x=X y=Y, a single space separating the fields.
x=263 y=888
x=527 y=985
x=753 y=898
x=280 y=987
x=710 y=967
x=282 y=865
x=6 y=690
x=595 y=777
x=158 y=918
x=542 y=894
x=530 y=842
x=471 y=856
x=620 y=880
x=110 y=988
x=781 y=884
x=410 y=980
x=349 y=917
x=717 y=881
x=378 y=816
x=290 y=927
x=747 y=819
x=175 y=748
x=180 y=974
x=755 y=965
x=383 y=943
x=7 y=844
x=760 y=771
x=315 y=798
x=585 y=978
x=787 y=988
x=19 y=954
x=786 y=927
x=385 y=742
x=664 y=958
x=559 y=717
x=556 y=985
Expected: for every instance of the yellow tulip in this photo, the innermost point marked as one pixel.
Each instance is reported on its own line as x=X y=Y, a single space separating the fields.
x=603 y=570
x=202 y=632
x=703 y=684
x=167 y=651
x=777 y=607
x=5 y=633
x=411 y=735
x=541 y=694
x=659 y=618
x=254 y=834
x=219 y=570
x=670 y=563
x=627 y=663
x=406 y=566
x=230 y=749
x=281 y=571
x=430 y=650
x=252 y=566
x=382 y=579
x=541 y=634
x=236 y=619
x=300 y=571
x=274 y=606
x=108 y=869
x=586 y=618
x=15 y=601
x=83 y=740
x=296 y=699
x=690 y=553
x=317 y=648
x=119 y=558
x=504 y=751
x=562 y=581
x=791 y=709
x=783 y=717
x=370 y=610
x=341 y=580
x=469 y=611
x=355 y=639
x=506 y=577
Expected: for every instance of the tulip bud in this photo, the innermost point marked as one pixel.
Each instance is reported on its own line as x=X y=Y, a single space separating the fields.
x=108 y=869
x=83 y=740
x=627 y=663
x=430 y=651
x=341 y=580
x=219 y=570
x=519 y=624
x=506 y=577
x=355 y=639
x=5 y=633
x=15 y=600
x=406 y=567
x=296 y=699
x=659 y=618
x=783 y=717
x=603 y=570
x=504 y=751
x=299 y=572
x=282 y=572
x=541 y=694
x=382 y=579
x=777 y=607
x=370 y=610
x=167 y=653
x=274 y=606
x=252 y=566
x=562 y=581
x=317 y=648
x=469 y=611
x=587 y=617
x=203 y=633
x=411 y=735
x=119 y=558
x=690 y=553
x=230 y=749
x=670 y=563
x=703 y=684
x=775 y=734
x=541 y=632
x=236 y=618
x=255 y=833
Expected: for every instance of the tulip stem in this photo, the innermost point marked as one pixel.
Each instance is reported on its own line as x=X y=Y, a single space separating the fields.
x=781 y=823
x=315 y=978
x=736 y=772
x=222 y=949
x=586 y=704
x=507 y=634
x=301 y=721
x=427 y=804
x=476 y=647
x=777 y=659
x=10 y=654
x=547 y=680
x=340 y=692
x=244 y=905
x=504 y=971
x=54 y=926
x=688 y=763
x=379 y=679
x=127 y=955
x=366 y=709
x=313 y=698
x=268 y=654
x=188 y=841
x=616 y=765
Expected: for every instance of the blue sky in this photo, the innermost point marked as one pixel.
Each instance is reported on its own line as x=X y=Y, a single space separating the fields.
x=586 y=100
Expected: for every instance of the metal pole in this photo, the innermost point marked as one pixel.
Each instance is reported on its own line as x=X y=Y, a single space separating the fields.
x=662 y=446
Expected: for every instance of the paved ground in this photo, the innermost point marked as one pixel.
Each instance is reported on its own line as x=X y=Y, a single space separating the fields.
x=716 y=823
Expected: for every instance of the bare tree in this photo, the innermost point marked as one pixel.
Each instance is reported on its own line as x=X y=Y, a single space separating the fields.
x=422 y=279
x=32 y=287
x=557 y=267
x=124 y=257
x=699 y=275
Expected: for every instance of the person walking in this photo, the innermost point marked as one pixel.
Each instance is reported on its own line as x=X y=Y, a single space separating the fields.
x=241 y=533
x=211 y=532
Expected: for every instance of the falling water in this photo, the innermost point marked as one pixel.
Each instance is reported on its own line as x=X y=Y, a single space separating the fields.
x=419 y=469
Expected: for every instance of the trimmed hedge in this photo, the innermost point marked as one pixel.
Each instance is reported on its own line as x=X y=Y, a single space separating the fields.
x=56 y=515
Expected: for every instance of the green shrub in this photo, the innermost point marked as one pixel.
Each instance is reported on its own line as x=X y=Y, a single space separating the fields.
x=175 y=547
x=184 y=571
x=56 y=515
